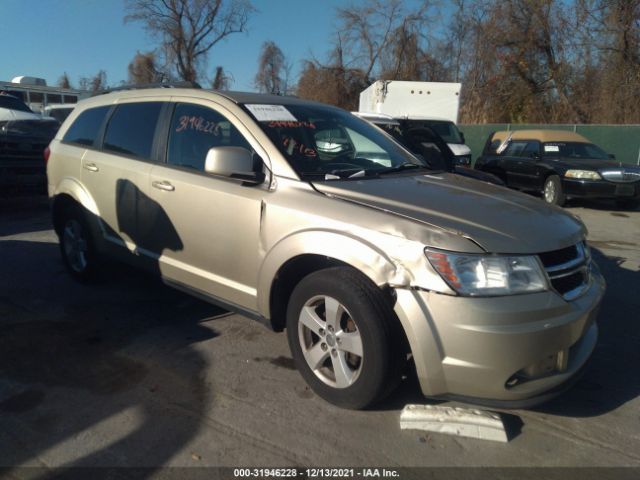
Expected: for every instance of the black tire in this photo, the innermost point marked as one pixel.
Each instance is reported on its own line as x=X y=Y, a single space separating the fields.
x=73 y=219
x=552 y=191
x=368 y=312
x=628 y=203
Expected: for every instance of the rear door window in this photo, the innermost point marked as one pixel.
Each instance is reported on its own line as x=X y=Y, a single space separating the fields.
x=86 y=127
x=531 y=149
x=132 y=128
x=194 y=130
x=515 y=148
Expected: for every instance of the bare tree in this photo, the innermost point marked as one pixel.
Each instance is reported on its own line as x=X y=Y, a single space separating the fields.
x=272 y=69
x=617 y=41
x=189 y=29
x=520 y=67
x=143 y=69
x=94 y=84
x=538 y=61
x=64 y=81
x=332 y=83
x=221 y=79
x=370 y=30
x=378 y=39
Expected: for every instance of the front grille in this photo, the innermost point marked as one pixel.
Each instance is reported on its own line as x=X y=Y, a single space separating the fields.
x=568 y=269
x=14 y=148
x=569 y=283
x=621 y=176
x=558 y=257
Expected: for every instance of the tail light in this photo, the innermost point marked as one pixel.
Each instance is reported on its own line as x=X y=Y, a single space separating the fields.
x=47 y=153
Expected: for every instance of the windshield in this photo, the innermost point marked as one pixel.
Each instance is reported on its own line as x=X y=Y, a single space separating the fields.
x=12 y=103
x=326 y=142
x=424 y=143
x=574 y=150
x=447 y=130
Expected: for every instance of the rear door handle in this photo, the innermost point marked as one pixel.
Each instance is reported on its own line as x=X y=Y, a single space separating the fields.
x=166 y=186
x=92 y=167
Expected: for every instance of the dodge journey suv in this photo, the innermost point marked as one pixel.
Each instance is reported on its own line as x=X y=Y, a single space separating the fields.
x=313 y=221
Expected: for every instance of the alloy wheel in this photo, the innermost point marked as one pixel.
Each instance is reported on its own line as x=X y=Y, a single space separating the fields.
x=330 y=341
x=75 y=245
x=549 y=192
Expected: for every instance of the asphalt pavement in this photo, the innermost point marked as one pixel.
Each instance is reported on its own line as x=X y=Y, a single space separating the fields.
x=129 y=372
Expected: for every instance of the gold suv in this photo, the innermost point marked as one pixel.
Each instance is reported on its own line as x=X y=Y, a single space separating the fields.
x=309 y=219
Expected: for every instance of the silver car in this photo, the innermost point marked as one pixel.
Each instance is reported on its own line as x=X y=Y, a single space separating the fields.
x=308 y=219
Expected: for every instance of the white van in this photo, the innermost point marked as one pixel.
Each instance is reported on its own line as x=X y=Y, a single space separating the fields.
x=420 y=104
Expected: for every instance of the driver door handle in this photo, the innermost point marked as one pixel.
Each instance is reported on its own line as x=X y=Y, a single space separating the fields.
x=92 y=167
x=164 y=185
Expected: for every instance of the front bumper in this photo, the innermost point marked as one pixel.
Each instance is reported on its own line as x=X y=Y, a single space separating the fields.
x=513 y=351
x=600 y=189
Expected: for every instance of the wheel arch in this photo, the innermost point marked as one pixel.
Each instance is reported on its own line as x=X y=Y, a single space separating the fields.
x=71 y=193
x=297 y=256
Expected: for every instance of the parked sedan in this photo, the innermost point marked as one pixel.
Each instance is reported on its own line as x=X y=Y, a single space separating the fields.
x=559 y=165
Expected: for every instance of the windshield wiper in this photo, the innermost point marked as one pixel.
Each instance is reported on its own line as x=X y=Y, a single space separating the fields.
x=401 y=167
x=347 y=173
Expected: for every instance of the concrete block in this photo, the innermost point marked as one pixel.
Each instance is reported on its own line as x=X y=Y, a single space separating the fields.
x=464 y=422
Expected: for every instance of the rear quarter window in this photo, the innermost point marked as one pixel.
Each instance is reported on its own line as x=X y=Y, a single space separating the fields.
x=86 y=126
x=131 y=129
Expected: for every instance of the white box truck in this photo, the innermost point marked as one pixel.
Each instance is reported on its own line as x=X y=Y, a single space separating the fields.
x=431 y=104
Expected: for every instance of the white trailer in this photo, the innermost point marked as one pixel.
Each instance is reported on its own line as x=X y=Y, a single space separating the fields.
x=433 y=104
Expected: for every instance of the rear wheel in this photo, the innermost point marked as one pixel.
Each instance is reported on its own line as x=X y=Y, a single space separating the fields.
x=76 y=245
x=552 y=191
x=344 y=338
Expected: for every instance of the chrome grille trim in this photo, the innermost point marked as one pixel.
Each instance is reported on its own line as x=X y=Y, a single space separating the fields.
x=620 y=176
x=578 y=261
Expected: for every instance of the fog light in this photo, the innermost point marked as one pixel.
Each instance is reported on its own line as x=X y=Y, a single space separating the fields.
x=544 y=367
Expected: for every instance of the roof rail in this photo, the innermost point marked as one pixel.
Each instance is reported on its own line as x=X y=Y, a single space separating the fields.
x=140 y=86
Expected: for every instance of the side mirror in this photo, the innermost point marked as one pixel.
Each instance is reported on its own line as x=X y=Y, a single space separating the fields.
x=462 y=137
x=535 y=155
x=612 y=156
x=234 y=162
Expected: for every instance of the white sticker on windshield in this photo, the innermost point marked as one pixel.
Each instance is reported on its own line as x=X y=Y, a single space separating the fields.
x=271 y=113
x=551 y=148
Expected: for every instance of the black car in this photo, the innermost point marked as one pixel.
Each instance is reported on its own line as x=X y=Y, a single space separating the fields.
x=559 y=165
x=24 y=136
x=425 y=142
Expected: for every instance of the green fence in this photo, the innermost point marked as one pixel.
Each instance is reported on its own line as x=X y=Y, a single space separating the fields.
x=621 y=140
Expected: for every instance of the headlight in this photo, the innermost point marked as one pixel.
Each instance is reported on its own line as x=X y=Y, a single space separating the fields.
x=583 y=174
x=488 y=275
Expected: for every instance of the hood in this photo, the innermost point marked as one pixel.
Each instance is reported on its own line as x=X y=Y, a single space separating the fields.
x=498 y=219
x=7 y=114
x=15 y=122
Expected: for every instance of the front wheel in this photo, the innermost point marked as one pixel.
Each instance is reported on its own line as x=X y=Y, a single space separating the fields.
x=552 y=191
x=344 y=338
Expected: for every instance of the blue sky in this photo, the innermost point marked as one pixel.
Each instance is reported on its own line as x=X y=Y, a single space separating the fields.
x=44 y=38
